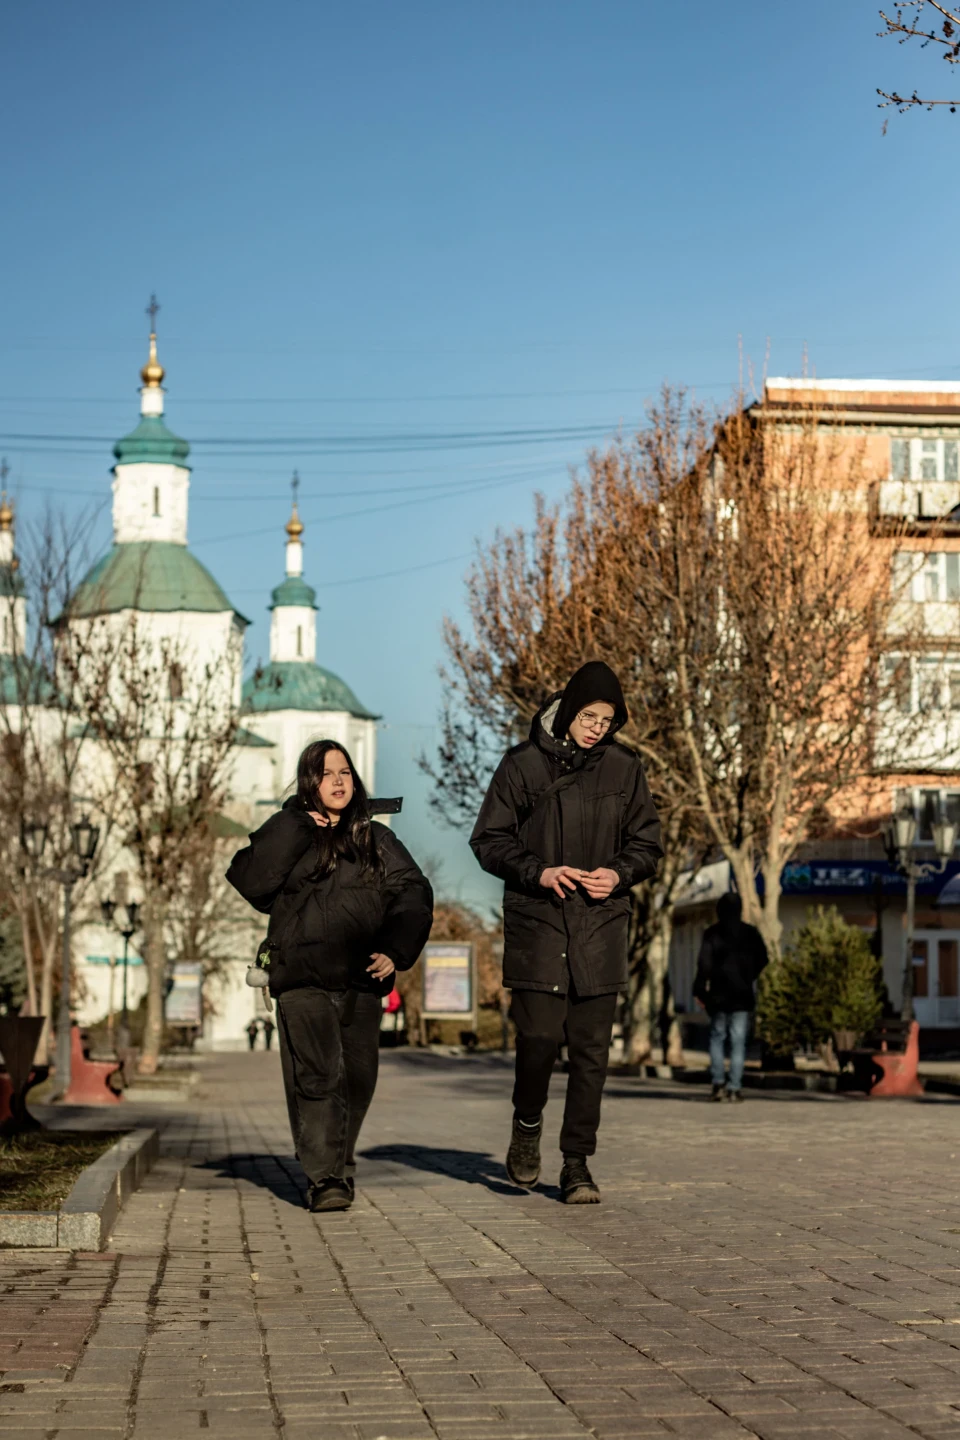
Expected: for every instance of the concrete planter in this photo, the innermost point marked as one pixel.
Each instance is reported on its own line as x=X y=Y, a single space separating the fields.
x=86 y=1216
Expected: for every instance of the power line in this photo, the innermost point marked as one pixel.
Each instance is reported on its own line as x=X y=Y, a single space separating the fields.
x=391 y=440
x=376 y=575
x=374 y=509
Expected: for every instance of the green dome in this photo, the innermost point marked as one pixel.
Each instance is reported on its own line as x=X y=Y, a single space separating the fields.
x=299 y=685
x=149 y=575
x=152 y=441
x=293 y=591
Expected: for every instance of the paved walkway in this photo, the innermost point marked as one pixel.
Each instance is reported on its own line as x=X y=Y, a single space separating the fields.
x=785 y=1268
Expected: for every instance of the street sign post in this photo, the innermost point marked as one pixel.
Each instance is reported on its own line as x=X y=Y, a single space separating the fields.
x=450 y=982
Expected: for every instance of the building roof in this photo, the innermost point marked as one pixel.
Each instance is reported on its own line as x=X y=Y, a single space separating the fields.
x=23 y=682
x=152 y=441
x=293 y=591
x=251 y=740
x=299 y=685
x=882 y=400
x=152 y=575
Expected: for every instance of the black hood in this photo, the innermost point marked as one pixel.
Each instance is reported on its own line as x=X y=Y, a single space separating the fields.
x=729 y=911
x=593 y=682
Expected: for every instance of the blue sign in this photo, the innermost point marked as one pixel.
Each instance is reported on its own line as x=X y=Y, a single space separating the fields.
x=861 y=877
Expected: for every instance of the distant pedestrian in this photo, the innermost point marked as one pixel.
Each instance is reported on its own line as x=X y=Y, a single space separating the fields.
x=252 y=1029
x=268 y=1029
x=348 y=907
x=731 y=960
x=569 y=826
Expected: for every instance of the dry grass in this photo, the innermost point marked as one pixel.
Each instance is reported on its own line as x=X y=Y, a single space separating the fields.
x=38 y=1169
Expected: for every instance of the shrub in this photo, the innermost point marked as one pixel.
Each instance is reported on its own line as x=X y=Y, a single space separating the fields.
x=828 y=979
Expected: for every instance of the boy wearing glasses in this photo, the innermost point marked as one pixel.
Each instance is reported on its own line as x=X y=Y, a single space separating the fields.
x=569 y=826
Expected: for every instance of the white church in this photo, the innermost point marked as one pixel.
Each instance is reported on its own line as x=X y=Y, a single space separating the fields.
x=149 y=576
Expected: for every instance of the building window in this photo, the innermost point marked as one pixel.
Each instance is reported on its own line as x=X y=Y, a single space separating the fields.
x=928 y=806
x=156 y=499
x=934 y=576
x=176 y=681
x=923 y=459
x=299 y=639
x=929 y=685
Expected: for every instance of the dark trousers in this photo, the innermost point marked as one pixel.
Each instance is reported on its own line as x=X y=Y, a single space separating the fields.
x=545 y=1022
x=329 y=1059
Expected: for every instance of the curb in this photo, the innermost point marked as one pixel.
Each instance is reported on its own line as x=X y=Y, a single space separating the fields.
x=87 y=1215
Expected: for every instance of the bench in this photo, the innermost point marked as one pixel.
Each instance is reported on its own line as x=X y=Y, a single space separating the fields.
x=91 y=1081
x=885 y=1063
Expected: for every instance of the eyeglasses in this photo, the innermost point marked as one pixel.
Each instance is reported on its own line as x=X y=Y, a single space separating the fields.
x=589 y=721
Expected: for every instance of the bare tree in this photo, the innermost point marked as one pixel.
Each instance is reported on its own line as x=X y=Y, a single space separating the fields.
x=164 y=722
x=726 y=569
x=41 y=739
x=932 y=24
x=540 y=605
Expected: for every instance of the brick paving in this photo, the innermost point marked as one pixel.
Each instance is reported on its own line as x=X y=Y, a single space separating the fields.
x=787 y=1268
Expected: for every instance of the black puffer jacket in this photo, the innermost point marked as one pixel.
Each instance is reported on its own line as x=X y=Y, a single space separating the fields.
x=732 y=957
x=329 y=928
x=548 y=805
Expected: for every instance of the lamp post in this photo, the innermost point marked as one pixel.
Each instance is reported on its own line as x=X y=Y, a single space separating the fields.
x=84 y=838
x=108 y=909
x=900 y=836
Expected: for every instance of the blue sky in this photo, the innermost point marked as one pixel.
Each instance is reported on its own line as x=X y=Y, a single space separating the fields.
x=373 y=228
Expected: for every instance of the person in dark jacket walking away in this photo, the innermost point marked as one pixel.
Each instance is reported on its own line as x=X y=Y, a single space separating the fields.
x=569 y=826
x=348 y=907
x=732 y=957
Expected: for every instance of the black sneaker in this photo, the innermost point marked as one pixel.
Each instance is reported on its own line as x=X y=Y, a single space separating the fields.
x=330 y=1194
x=577 y=1185
x=523 y=1156
x=736 y=1096
x=719 y=1092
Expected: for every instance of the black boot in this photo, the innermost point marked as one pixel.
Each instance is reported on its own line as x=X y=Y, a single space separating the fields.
x=576 y=1183
x=330 y=1194
x=523 y=1156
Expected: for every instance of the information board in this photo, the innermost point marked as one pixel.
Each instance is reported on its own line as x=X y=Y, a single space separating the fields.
x=448 y=980
x=183 y=1001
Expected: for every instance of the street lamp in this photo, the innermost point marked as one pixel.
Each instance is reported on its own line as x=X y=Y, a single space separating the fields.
x=109 y=909
x=900 y=837
x=84 y=838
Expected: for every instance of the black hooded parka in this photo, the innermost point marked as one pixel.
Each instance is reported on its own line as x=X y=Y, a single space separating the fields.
x=552 y=803
x=329 y=926
x=732 y=957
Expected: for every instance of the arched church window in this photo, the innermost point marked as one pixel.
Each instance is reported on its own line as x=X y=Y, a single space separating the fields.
x=299 y=639
x=176 y=681
x=156 y=499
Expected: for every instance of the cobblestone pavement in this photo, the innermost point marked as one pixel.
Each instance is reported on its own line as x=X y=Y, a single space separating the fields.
x=785 y=1268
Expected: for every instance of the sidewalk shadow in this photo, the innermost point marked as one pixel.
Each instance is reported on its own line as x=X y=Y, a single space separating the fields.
x=280 y=1174
x=474 y=1167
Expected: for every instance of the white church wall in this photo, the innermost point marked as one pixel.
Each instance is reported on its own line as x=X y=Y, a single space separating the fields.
x=197 y=641
x=293 y=632
x=150 y=503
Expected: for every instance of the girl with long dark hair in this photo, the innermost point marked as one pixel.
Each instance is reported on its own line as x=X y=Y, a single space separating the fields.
x=348 y=907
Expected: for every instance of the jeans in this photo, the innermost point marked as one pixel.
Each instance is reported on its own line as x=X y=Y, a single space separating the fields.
x=734 y=1023
x=329 y=1059
x=545 y=1022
